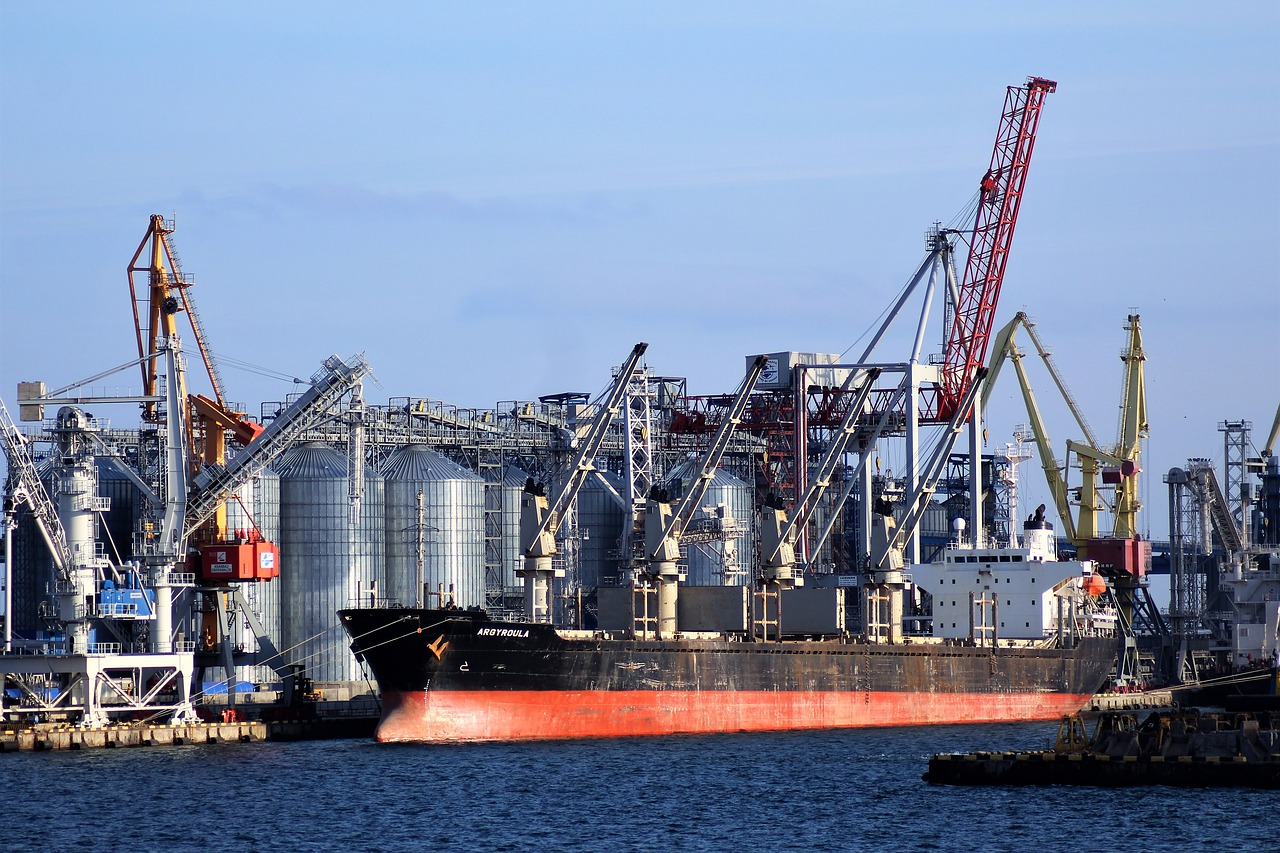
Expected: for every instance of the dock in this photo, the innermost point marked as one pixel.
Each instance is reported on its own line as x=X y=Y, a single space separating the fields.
x=54 y=737
x=1188 y=749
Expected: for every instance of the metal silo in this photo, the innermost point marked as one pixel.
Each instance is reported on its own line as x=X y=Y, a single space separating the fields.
x=118 y=526
x=327 y=562
x=602 y=511
x=32 y=566
x=726 y=562
x=443 y=529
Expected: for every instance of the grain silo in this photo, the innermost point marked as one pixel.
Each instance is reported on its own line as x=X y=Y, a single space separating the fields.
x=726 y=561
x=328 y=560
x=602 y=512
x=434 y=530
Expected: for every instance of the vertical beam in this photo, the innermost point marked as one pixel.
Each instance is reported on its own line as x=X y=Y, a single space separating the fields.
x=978 y=533
x=913 y=454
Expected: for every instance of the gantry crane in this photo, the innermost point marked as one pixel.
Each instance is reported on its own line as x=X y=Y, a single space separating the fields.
x=541 y=517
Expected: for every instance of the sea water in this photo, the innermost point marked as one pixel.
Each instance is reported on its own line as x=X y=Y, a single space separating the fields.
x=851 y=790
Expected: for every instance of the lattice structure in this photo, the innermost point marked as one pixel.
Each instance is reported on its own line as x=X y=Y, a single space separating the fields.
x=1235 y=446
x=1001 y=195
x=638 y=458
x=1192 y=568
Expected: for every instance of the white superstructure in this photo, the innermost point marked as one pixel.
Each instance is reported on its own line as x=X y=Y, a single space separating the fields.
x=1005 y=593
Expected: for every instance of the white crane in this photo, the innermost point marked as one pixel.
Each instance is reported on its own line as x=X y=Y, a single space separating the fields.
x=540 y=517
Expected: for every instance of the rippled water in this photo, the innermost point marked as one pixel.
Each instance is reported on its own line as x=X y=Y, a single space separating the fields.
x=842 y=790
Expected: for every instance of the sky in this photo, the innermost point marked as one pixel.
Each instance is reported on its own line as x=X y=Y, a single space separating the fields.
x=496 y=201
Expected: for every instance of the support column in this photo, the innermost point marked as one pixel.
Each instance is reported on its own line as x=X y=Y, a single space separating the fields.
x=668 y=597
x=913 y=457
x=537 y=588
x=162 y=638
x=9 y=520
x=978 y=534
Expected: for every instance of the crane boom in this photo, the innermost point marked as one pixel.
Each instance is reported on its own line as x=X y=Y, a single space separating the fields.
x=583 y=462
x=540 y=518
x=826 y=470
x=663 y=527
x=1275 y=433
x=917 y=502
x=1006 y=349
x=25 y=487
x=679 y=518
x=1000 y=197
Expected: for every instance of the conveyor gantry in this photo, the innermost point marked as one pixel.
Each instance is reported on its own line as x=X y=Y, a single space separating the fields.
x=329 y=385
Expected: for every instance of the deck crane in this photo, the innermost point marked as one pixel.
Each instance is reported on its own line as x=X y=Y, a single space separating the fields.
x=889 y=536
x=541 y=517
x=778 y=533
x=664 y=526
x=1000 y=196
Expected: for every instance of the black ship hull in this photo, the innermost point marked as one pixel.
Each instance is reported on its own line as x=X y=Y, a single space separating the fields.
x=448 y=675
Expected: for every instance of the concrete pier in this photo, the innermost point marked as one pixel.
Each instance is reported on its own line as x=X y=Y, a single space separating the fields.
x=44 y=738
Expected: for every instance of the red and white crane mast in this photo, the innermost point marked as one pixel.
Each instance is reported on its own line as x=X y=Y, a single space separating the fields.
x=997 y=215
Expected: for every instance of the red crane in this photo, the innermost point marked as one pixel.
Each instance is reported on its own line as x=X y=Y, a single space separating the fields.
x=784 y=418
x=1000 y=196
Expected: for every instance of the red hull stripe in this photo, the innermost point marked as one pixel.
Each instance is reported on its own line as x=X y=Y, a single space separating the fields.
x=541 y=715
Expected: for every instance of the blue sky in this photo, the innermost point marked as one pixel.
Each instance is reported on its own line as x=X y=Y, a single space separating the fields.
x=495 y=201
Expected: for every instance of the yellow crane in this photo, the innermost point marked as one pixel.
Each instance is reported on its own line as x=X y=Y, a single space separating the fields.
x=1122 y=556
x=1116 y=466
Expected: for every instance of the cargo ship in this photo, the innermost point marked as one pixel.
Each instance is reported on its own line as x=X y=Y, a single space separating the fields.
x=1032 y=647
x=456 y=675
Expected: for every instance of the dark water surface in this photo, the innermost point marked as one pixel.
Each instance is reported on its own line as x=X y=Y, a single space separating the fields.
x=822 y=791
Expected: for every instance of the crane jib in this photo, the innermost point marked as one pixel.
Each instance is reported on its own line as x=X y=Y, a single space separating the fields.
x=1000 y=196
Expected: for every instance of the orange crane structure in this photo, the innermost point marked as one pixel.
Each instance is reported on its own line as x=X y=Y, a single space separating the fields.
x=167 y=293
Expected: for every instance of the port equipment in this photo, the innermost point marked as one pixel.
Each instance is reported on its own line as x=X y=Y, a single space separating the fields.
x=113 y=649
x=778 y=533
x=1121 y=554
x=541 y=517
x=1000 y=197
x=664 y=526
x=786 y=416
x=1224 y=561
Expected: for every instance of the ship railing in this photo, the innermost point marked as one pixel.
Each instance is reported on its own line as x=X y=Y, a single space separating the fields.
x=368 y=603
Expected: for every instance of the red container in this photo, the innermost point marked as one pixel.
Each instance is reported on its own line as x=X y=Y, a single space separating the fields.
x=1117 y=557
x=245 y=561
